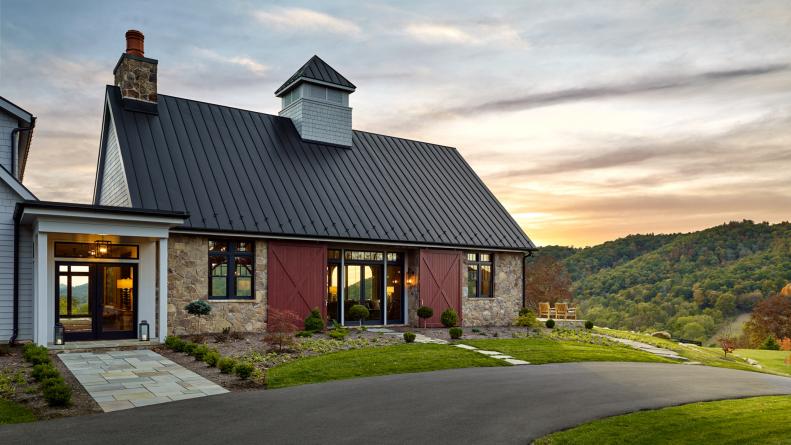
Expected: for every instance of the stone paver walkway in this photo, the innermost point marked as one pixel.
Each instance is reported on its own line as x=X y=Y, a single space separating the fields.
x=651 y=349
x=127 y=379
x=419 y=338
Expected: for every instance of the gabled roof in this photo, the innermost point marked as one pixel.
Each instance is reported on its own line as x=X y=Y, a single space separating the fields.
x=240 y=171
x=27 y=121
x=15 y=185
x=318 y=71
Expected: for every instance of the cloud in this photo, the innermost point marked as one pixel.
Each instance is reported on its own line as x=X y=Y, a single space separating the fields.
x=471 y=34
x=536 y=100
x=249 y=64
x=306 y=20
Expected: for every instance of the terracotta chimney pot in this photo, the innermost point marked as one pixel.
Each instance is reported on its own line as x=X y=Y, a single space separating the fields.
x=134 y=42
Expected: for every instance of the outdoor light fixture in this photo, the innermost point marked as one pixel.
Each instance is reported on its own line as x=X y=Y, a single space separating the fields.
x=59 y=334
x=142 y=331
x=411 y=278
x=102 y=247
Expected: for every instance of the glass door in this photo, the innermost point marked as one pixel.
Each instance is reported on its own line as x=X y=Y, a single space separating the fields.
x=75 y=300
x=117 y=301
x=363 y=285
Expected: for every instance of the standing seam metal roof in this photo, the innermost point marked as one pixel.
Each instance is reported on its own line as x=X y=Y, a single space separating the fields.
x=241 y=171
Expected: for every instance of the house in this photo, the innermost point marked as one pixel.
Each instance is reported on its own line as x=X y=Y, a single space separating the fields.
x=255 y=212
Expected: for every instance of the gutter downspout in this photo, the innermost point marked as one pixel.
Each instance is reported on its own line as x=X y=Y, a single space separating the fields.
x=524 y=276
x=15 y=149
x=15 y=332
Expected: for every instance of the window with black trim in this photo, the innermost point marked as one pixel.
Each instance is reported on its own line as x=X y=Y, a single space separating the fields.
x=231 y=269
x=479 y=275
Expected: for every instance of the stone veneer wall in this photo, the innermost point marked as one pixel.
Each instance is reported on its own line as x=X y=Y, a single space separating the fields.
x=188 y=280
x=504 y=307
x=412 y=259
x=137 y=77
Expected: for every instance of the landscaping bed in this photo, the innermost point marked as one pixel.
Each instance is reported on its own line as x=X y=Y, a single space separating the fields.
x=24 y=395
x=254 y=349
x=471 y=333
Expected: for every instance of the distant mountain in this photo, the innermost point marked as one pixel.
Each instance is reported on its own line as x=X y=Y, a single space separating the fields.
x=689 y=284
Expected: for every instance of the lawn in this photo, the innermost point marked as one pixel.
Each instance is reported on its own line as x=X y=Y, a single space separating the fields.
x=706 y=356
x=540 y=350
x=771 y=360
x=398 y=359
x=12 y=412
x=764 y=420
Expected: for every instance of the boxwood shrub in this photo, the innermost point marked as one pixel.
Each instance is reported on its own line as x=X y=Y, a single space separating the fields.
x=588 y=325
x=455 y=332
x=243 y=370
x=200 y=352
x=409 y=337
x=550 y=323
x=211 y=358
x=57 y=394
x=51 y=381
x=449 y=318
x=314 y=322
x=44 y=371
x=226 y=365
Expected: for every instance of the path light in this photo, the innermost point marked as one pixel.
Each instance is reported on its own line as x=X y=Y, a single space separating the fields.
x=142 y=331
x=59 y=334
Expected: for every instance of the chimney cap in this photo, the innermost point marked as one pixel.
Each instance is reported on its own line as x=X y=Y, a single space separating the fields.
x=134 y=43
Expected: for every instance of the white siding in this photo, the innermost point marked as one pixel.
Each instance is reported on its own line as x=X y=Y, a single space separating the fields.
x=8 y=200
x=114 y=191
x=7 y=125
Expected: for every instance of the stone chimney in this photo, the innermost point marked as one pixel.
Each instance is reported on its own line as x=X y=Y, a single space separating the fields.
x=316 y=99
x=136 y=75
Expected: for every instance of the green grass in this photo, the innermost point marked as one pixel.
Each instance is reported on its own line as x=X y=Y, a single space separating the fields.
x=764 y=420
x=706 y=356
x=540 y=350
x=771 y=360
x=11 y=412
x=398 y=359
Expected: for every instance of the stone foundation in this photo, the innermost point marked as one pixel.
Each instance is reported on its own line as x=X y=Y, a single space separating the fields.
x=504 y=307
x=188 y=280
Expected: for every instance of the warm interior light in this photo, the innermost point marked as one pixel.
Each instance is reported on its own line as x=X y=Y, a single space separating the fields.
x=124 y=283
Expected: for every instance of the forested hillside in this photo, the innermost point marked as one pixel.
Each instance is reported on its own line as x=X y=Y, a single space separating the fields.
x=689 y=284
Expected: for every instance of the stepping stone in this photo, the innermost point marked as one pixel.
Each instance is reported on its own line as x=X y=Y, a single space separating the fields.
x=501 y=357
x=514 y=361
x=468 y=347
x=481 y=351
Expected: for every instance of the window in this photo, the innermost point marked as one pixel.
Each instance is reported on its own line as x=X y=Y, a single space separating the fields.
x=88 y=250
x=479 y=275
x=231 y=269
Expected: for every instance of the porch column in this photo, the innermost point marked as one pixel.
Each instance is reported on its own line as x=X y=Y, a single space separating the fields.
x=41 y=327
x=162 y=262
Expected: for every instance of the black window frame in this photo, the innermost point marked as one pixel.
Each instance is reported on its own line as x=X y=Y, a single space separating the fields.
x=477 y=262
x=230 y=256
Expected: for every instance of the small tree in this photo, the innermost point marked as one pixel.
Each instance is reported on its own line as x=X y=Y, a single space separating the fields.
x=358 y=312
x=280 y=328
x=425 y=312
x=198 y=308
x=771 y=344
x=728 y=344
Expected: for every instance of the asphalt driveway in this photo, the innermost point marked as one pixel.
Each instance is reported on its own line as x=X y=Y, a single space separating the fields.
x=478 y=405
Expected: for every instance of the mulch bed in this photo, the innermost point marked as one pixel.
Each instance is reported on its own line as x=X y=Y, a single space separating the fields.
x=252 y=347
x=29 y=394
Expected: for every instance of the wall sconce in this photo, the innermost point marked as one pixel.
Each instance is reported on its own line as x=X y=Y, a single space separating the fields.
x=411 y=278
x=142 y=331
x=59 y=334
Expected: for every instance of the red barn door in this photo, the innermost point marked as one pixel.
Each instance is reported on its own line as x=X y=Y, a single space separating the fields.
x=440 y=282
x=297 y=278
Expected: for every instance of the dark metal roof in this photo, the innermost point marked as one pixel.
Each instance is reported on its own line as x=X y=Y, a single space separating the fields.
x=317 y=70
x=240 y=171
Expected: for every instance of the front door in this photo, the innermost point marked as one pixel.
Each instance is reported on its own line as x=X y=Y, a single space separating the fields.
x=97 y=300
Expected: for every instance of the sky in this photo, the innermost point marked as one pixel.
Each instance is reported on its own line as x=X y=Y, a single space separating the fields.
x=588 y=120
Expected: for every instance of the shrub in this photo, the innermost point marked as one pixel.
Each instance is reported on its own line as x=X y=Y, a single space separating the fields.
x=455 y=332
x=189 y=347
x=771 y=344
x=57 y=394
x=449 y=318
x=223 y=336
x=171 y=340
x=588 y=325
x=226 y=365
x=358 y=312
x=200 y=352
x=305 y=334
x=409 y=337
x=280 y=328
x=36 y=354
x=51 y=381
x=44 y=371
x=526 y=321
x=425 y=313
x=211 y=358
x=314 y=322
x=198 y=307
x=179 y=345
x=526 y=312
x=550 y=323
x=338 y=333
x=244 y=370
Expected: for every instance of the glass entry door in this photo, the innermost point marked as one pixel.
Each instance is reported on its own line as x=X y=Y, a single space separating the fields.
x=97 y=301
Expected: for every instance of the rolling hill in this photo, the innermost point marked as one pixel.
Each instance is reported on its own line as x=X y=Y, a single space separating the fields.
x=689 y=284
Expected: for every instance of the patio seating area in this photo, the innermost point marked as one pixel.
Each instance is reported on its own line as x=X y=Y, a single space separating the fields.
x=560 y=311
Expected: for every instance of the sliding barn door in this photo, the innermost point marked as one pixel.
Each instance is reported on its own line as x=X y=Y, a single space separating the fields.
x=440 y=282
x=297 y=278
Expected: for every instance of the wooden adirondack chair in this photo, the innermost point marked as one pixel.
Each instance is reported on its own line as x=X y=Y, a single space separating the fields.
x=545 y=311
x=562 y=310
x=572 y=313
